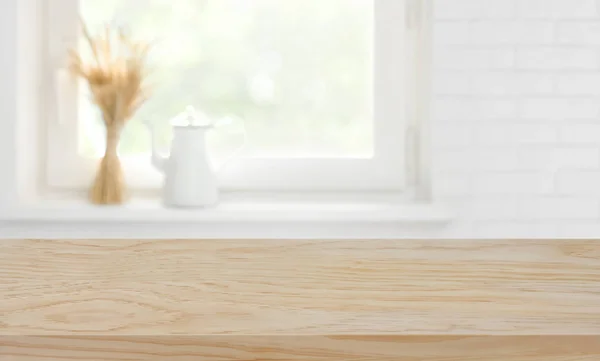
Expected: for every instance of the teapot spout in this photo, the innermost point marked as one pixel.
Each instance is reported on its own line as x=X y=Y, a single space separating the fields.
x=158 y=161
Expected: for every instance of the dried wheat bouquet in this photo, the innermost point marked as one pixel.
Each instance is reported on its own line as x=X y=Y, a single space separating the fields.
x=115 y=75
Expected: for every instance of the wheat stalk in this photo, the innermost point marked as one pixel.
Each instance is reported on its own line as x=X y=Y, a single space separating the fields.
x=115 y=76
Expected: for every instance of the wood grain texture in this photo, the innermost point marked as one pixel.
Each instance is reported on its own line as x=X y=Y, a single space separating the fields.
x=440 y=287
x=290 y=348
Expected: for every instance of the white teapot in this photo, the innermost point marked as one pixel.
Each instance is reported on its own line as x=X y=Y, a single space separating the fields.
x=190 y=180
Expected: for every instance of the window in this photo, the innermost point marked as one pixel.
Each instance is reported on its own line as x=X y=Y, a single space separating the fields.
x=325 y=89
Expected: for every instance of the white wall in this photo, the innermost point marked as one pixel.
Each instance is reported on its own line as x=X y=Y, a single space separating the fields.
x=8 y=98
x=516 y=128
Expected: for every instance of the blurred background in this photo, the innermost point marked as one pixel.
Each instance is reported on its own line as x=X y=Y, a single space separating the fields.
x=297 y=73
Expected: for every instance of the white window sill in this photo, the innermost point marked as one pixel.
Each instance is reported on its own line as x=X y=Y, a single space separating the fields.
x=248 y=218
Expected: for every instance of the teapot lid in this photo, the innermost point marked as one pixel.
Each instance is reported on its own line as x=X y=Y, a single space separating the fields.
x=192 y=118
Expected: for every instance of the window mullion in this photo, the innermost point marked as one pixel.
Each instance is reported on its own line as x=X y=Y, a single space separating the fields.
x=419 y=95
x=63 y=29
x=60 y=96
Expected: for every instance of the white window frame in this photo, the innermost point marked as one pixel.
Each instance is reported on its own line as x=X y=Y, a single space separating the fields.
x=29 y=210
x=400 y=106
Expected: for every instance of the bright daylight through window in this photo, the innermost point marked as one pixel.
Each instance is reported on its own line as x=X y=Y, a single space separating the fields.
x=298 y=73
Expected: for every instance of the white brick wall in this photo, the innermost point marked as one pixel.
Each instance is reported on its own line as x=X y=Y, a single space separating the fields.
x=516 y=128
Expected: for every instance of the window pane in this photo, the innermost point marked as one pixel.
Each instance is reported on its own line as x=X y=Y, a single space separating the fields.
x=297 y=72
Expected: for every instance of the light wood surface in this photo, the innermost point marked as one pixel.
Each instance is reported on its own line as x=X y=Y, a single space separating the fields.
x=175 y=287
x=313 y=348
